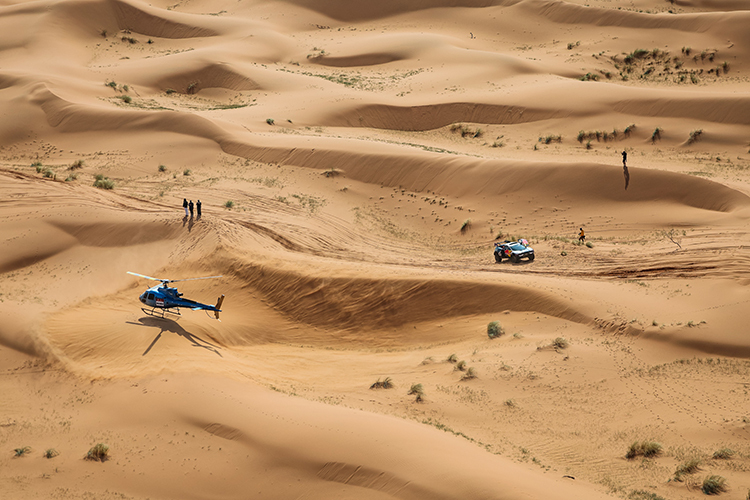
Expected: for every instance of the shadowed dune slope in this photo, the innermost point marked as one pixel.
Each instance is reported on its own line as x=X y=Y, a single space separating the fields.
x=204 y=76
x=71 y=117
x=374 y=303
x=463 y=176
x=725 y=109
x=342 y=10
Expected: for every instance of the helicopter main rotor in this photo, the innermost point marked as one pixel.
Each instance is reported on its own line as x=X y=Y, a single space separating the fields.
x=165 y=282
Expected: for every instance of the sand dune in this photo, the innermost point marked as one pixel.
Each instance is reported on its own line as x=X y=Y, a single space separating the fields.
x=356 y=162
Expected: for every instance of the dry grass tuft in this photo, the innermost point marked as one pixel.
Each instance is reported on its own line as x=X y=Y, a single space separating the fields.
x=494 y=329
x=723 y=454
x=99 y=452
x=23 y=451
x=713 y=485
x=688 y=467
x=645 y=449
x=387 y=383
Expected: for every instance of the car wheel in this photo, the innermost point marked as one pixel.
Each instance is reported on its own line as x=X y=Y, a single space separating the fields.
x=531 y=258
x=514 y=258
x=498 y=258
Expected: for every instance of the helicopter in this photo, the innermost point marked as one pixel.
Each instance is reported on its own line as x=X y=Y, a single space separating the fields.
x=166 y=298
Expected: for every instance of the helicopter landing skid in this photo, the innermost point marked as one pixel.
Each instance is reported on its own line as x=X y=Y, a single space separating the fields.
x=162 y=314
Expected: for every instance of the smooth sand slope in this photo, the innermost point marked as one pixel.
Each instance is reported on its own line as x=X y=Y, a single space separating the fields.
x=355 y=163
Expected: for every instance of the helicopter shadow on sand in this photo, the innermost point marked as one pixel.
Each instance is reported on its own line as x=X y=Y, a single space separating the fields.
x=169 y=325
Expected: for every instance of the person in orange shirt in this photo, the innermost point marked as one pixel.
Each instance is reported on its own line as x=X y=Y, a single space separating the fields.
x=582 y=236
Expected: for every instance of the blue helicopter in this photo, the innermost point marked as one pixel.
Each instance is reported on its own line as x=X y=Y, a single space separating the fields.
x=165 y=298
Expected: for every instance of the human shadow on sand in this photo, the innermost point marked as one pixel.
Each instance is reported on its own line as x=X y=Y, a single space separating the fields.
x=169 y=325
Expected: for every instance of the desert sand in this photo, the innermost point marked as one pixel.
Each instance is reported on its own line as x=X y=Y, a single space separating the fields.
x=356 y=161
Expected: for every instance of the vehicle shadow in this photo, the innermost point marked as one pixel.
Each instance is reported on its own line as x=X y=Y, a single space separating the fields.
x=169 y=325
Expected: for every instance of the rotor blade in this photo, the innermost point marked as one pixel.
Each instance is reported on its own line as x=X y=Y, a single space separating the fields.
x=147 y=277
x=191 y=279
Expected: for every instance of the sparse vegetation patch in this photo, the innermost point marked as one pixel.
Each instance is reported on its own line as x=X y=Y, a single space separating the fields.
x=99 y=453
x=644 y=449
x=713 y=485
x=103 y=182
x=494 y=329
x=386 y=383
x=23 y=451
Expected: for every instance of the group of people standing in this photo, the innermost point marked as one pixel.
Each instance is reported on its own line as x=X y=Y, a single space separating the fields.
x=189 y=206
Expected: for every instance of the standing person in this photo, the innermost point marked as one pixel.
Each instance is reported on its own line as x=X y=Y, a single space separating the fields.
x=582 y=236
x=624 y=158
x=191 y=208
x=198 y=206
x=185 y=206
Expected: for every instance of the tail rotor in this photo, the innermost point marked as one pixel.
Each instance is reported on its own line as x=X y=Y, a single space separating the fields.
x=218 y=306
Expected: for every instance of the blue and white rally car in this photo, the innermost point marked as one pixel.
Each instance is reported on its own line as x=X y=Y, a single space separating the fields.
x=513 y=250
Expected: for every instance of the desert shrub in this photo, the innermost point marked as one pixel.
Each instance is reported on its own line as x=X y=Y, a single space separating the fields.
x=470 y=374
x=387 y=383
x=466 y=225
x=723 y=454
x=629 y=130
x=192 y=88
x=186 y=172
x=170 y=91
x=98 y=452
x=76 y=165
x=713 y=485
x=560 y=343
x=162 y=168
x=332 y=172
x=643 y=495
x=695 y=136
x=125 y=98
x=510 y=403
x=688 y=467
x=111 y=84
x=229 y=204
x=589 y=244
x=550 y=139
x=588 y=145
x=48 y=174
x=646 y=449
x=452 y=358
x=416 y=389
x=51 y=453
x=498 y=144
x=103 y=182
x=20 y=452
x=270 y=121
x=71 y=177
x=461 y=366
x=494 y=329
x=589 y=77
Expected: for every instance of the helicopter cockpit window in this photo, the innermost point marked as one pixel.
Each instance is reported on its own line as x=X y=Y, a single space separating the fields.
x=150 y=296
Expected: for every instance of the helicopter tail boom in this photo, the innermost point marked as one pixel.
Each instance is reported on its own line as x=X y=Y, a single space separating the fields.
x=218 y=306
